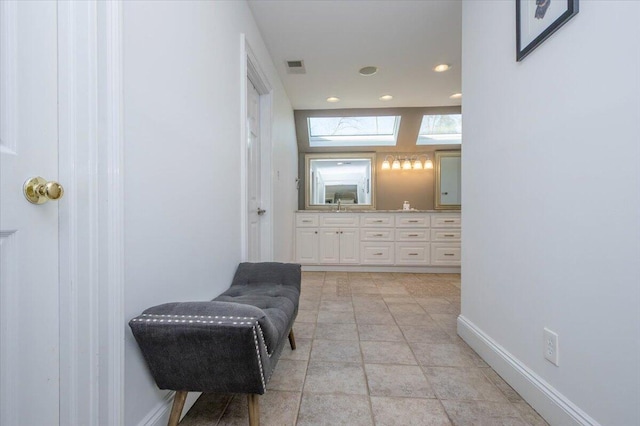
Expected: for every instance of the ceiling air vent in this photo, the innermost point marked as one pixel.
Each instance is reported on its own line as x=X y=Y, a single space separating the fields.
x=295 y=67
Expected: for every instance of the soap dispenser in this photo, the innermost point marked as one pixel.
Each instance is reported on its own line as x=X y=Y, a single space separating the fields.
x=406 y=206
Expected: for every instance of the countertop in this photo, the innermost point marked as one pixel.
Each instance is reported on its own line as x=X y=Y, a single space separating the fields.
x=378 y=211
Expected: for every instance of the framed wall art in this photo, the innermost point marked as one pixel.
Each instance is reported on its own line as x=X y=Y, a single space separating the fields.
x=536 y=20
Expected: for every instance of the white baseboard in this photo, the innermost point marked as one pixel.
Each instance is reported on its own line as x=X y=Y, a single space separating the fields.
x=544 y=398
x=375 y=268
x=159 y=415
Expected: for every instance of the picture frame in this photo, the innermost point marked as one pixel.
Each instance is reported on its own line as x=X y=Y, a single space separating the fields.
x=537 y=20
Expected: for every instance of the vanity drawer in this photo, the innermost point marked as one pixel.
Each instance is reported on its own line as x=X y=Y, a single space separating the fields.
x=438 y=235
x=375 y=220
x=412 y=254
x=373 y=234
x=445 y=254
x=412 y=220
x=376 y=253
x=306 y=219
x=338 y=219
x=412 y=234
x=445 y=221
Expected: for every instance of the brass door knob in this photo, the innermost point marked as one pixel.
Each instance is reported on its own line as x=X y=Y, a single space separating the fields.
x=38 y=191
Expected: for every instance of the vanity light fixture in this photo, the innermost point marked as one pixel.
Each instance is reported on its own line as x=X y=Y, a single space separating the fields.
x=401 y=162
x=333 y=99
x=442 y=67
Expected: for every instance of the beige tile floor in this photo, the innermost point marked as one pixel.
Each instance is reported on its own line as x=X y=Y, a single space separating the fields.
x=376 y=348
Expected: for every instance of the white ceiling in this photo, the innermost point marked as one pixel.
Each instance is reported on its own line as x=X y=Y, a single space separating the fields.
x=336 y=38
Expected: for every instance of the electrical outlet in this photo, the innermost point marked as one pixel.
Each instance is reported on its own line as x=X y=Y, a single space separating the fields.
x=551 y=346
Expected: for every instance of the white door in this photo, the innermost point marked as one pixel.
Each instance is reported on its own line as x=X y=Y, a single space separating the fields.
x=29 y=302
x=253 y=173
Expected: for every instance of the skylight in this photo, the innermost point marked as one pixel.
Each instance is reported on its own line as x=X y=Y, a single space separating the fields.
x=353 y=131
x=440 y=130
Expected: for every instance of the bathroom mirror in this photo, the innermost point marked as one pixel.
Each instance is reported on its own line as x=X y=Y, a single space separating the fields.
x=347 y=179
x=448 y=188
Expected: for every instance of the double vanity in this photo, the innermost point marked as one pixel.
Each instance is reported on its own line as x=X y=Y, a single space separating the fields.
x=378 y=240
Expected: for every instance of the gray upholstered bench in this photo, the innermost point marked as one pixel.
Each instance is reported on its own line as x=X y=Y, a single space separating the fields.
x=230 y=344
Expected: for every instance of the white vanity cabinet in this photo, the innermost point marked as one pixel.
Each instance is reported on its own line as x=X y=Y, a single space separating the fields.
x=378 y=239
x=327 y=239
x=339 y=246
x=307 y=238
x=445 y=240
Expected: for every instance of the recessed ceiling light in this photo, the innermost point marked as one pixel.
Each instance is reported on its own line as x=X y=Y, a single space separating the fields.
x=370 y=70
x=441 y=67
x=385 y=97
x=333 y=99
x=456 y=96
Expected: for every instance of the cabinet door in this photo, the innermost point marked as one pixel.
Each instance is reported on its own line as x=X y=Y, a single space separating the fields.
x=329 y=245
x=349 y=245
x=307 y=245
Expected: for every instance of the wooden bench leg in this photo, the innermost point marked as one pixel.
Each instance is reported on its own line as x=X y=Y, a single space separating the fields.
x=292 y=340
x=254 y=409
x=178 y=405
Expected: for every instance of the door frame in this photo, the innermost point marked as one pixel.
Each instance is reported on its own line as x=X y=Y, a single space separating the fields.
x=91 y=215
x=250 y=68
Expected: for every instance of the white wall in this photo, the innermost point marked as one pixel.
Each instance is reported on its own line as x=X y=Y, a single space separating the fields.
x=551 y=194
x=182 y=161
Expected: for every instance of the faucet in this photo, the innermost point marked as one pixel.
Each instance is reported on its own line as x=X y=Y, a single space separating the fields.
x=339 y=204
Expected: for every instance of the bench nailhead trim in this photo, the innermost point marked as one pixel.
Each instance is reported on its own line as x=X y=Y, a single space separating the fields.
x=189 y=321
x=255 y=340
x=198 y=316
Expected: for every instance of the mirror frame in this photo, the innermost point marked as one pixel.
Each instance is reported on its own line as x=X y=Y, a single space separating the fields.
x=336 y=156
x=438 y=205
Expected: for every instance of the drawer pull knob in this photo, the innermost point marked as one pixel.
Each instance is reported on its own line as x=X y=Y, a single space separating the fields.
x=413 y=235
x=449 y=235
x=316 y=232
x=413 y=254
x=377 y=254
x=449 y=254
